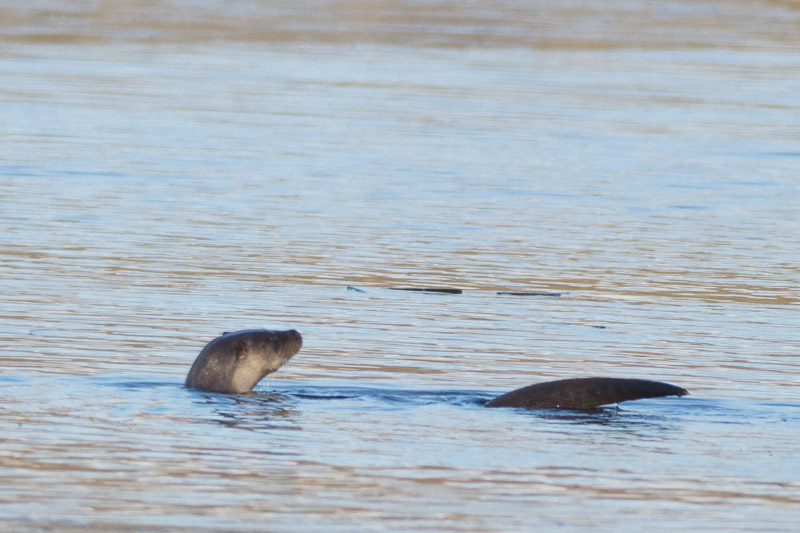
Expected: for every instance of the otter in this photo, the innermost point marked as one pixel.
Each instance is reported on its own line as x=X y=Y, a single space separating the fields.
x=234 y=362
x=584 y=393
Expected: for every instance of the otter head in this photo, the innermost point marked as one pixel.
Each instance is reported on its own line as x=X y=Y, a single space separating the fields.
x=236 y=362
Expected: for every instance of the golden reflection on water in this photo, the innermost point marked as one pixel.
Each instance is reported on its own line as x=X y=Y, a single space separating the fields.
x=548 y=24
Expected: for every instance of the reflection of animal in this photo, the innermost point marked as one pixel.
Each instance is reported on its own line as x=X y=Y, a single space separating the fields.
x=585 y=393
x=235 y=362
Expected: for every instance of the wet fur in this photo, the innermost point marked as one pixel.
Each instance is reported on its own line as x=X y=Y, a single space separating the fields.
x=584 y=393
x=235 y=362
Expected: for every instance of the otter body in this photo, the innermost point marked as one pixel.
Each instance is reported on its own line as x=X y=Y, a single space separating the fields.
x=584 y=393
x=235 y=362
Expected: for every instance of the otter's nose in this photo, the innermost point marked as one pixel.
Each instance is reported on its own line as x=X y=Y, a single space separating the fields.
x=293 y=333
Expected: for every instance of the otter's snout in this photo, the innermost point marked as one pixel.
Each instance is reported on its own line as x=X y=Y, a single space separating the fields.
x=296 y=335
x=289 y=338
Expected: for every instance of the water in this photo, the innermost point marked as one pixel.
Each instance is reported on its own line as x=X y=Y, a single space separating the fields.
x=168 y=176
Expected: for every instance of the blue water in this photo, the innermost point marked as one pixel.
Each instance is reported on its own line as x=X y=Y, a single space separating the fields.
x=155 y=193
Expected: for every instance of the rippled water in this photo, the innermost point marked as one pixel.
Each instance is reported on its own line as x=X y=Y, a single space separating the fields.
x=168 y=176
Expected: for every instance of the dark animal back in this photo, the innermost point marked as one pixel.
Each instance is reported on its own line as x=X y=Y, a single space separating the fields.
x=584 y=393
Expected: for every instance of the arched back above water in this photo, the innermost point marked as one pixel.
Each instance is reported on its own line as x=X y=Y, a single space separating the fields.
x=613 y=188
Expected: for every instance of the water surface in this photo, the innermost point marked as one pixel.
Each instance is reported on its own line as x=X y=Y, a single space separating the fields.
x=172 y=175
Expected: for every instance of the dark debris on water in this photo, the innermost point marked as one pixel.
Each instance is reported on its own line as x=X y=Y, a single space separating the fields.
x=449 y=290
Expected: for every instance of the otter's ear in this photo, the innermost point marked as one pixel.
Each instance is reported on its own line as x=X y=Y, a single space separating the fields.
x=241 y=350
